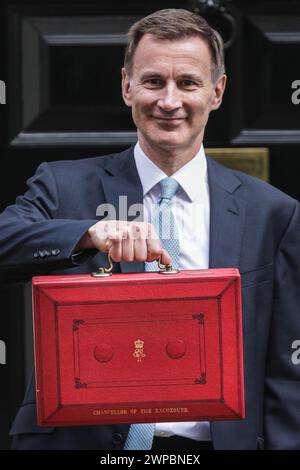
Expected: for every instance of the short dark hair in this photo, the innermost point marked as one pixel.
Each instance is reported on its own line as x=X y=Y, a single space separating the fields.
x=175 y=24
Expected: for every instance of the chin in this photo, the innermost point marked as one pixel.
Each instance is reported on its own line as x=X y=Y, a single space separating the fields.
x=156 y=138
x=167 y=141
x=171 y=143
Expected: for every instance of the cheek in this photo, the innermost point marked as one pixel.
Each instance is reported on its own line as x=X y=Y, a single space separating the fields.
x=142 y=107
x=146 y=100
x=139 y=115
x=201 y=108
x=202 y=102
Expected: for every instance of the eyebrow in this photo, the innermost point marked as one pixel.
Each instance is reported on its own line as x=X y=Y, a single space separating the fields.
x=191 y=76
x=150 y=74
x=184 y=76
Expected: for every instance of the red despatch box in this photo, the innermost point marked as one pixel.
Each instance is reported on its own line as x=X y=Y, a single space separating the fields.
x=135 y=348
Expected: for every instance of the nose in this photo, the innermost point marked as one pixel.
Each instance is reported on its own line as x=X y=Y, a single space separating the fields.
x=170 y=99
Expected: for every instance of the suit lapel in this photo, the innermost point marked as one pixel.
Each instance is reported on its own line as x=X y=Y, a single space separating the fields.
x=227 y=217
x=227 y=221
x=122 y=188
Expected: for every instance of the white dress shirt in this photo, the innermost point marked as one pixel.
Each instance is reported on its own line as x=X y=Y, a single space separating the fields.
x=191 y=208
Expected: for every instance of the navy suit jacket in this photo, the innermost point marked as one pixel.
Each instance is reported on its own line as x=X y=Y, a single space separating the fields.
x=253 y=227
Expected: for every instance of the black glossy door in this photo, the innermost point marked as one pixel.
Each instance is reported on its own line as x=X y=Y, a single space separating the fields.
x=61 y=64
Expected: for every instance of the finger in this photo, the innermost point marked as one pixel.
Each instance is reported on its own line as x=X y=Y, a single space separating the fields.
x=127 y=245
x=140 y=246
x=165 y=257
x=102 y=232
x=114 y=246
x=154 y=247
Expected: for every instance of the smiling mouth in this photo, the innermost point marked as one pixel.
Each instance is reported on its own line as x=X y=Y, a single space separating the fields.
x=169 y=121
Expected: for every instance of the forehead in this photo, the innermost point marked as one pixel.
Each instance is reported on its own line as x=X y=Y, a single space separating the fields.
x=191 y=53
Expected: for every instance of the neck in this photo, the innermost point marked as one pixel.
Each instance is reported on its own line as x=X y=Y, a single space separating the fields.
x=169 y=160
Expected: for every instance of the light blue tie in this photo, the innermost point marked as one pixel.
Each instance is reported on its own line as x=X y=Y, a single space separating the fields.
x=140 y=436
x=164 y=223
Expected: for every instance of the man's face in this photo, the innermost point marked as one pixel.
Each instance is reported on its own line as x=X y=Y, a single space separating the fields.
x=171 y=92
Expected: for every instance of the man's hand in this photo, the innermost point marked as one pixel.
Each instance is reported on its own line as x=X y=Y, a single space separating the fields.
x=125 y=241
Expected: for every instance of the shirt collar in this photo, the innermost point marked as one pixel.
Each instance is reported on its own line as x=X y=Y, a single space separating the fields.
x=191 y=176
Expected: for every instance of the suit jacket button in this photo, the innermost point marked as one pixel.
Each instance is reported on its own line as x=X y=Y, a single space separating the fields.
x=117 y=440
x=48 y=253
x=42 y=253
x=55 y=252
x=36 y=254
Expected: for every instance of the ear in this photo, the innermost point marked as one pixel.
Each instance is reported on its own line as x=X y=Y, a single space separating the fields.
x=126 y=88
x=218 y=92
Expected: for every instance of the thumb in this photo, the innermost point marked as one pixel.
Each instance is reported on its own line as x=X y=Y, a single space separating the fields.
x=165 y=257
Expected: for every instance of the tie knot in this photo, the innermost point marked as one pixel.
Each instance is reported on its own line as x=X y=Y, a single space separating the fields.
x=168 y=188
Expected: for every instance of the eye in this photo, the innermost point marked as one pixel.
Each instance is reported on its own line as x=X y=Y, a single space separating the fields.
x=188 y=84
x=153 y=82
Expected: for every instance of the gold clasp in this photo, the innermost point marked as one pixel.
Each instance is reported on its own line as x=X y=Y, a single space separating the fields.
x=166 y=268
x=105 y=272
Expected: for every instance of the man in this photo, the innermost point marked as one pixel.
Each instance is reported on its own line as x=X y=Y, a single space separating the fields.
x=172 y=79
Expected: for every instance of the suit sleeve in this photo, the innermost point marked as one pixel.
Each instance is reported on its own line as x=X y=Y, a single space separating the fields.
x=282 y=384
x=34 y=239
